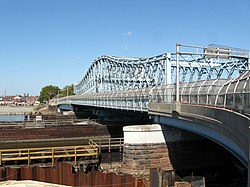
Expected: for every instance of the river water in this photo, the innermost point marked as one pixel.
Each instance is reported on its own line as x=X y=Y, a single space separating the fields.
x=8 y=113
x=19 y=117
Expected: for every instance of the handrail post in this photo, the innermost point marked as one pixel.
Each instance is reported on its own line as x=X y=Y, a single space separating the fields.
x=28 y=157
x=53 y=159
x=109 y=155
x=100 y=145
x=97 y=152
x=75 y=155
x=121 y=150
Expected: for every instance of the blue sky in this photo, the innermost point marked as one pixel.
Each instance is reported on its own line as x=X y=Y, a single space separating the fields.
x=45 y=42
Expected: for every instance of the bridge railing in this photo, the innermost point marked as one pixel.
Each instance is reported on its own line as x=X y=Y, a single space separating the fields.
x=29 y=154
x=138 y=99
x=232 y=94
x=107 y=143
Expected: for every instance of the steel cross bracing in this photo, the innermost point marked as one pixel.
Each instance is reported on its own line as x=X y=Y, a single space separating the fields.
x=115 y=73
x=109 y=73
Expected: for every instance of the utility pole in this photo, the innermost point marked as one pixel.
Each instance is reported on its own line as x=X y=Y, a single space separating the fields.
x=58 y=95
x=67 y=93
x=177 y=72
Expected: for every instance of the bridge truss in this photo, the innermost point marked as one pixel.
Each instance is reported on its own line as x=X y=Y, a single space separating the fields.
x=110 y=73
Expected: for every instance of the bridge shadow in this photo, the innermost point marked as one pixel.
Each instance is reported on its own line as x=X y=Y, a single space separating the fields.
x=115 y=120
x=194 y=155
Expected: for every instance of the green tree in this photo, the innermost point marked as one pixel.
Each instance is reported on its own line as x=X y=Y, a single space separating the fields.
x=67 y=90
x=48 y=92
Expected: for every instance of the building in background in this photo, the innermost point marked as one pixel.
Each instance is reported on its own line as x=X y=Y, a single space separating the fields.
x=32 y=100
x=19 y=100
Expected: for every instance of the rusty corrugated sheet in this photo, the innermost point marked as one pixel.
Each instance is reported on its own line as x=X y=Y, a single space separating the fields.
x=62 y=173
x=12 y=173
x=120 y=179
x=2 y=174
x=56 y=173
x=26 y=173
x=66 y=172
x=78 y=179
x=41 y=173
x=101 y=177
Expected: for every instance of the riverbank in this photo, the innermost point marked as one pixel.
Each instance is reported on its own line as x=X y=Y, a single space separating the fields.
x=11 y=110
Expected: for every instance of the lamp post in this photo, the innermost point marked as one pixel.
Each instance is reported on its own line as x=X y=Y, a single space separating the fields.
x=177 y=72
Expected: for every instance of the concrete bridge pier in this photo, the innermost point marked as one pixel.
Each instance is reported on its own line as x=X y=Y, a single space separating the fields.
x=144 y=148
x=169 y=148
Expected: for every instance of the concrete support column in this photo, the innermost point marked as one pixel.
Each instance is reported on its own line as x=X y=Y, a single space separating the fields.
x=144 y=148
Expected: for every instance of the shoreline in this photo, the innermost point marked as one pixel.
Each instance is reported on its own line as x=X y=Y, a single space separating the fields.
x=12 y=114
x=16 y=110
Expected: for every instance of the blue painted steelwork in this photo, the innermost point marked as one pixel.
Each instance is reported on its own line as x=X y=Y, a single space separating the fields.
x=216 y=77
x=110 y=73
x=232 y=94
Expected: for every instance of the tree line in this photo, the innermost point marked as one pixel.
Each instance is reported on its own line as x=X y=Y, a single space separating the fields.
x=49 y=92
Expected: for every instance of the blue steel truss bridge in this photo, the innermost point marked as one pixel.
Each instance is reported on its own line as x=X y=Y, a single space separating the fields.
x=205 y=90
x=214 y=75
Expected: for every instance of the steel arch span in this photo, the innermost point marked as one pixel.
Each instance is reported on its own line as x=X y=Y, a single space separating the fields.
x=111 y=73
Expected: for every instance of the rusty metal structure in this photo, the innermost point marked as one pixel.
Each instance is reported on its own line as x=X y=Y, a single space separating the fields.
x=79 y=170
x=63 y=173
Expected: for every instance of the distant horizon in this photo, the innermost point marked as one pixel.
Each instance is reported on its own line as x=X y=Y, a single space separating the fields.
x=54 y=42
x=19 y=95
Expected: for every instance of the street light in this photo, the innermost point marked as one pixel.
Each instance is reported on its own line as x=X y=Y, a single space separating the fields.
x=177 y=71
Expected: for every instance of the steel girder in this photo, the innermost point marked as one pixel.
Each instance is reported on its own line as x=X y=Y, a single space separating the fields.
x=115 y=73
x=194 y=67
x=109 y=73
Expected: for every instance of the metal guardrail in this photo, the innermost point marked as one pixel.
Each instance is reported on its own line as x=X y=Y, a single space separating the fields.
x=93 y=150
x=52 y=153
x=107 y=143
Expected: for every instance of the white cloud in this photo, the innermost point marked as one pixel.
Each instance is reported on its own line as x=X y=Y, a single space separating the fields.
x=129 y=33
